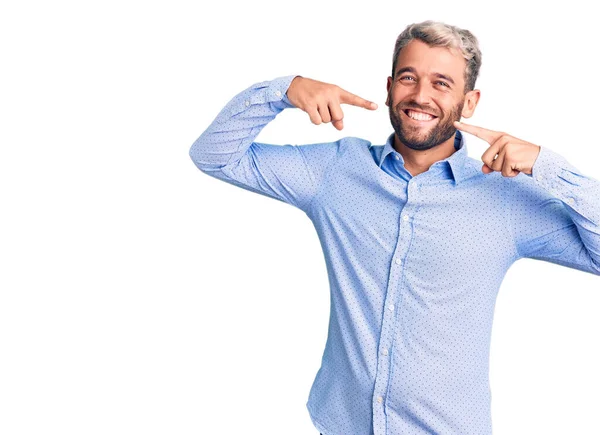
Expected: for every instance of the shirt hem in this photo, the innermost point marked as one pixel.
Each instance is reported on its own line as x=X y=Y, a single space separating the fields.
x=316 y=423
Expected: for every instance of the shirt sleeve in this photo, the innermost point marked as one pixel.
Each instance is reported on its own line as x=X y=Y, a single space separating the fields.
x=226 y=150
x=555 y=214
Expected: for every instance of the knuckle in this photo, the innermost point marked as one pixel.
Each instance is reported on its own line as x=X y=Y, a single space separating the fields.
x=330 y=92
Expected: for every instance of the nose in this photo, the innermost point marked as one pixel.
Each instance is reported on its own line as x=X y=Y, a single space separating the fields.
x=422 y=93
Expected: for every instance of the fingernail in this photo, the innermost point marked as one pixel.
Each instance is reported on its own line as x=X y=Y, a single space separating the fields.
x=374 y=105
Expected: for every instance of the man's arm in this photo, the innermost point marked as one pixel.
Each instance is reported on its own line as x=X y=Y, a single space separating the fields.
x=556 y=217
x=554 y=209
x=290 y=173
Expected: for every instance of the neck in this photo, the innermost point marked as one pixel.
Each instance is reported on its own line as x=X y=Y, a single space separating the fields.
x=418 y=161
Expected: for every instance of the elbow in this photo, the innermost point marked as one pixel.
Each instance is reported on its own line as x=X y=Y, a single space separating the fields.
x=194 y=155
x=202 y=159
x=198 y=156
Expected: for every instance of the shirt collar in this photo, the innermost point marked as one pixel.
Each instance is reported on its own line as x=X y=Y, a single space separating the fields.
x=456 y=161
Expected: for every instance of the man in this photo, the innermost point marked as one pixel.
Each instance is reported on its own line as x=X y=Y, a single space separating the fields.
x=417 y=236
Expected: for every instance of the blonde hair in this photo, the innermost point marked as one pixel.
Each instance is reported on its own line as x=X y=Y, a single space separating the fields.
x=438 y=34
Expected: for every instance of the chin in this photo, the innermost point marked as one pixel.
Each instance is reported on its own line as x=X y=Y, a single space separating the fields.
x=420 y=134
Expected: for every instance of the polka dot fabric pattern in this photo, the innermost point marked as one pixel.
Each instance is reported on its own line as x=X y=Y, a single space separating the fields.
x=414 y=262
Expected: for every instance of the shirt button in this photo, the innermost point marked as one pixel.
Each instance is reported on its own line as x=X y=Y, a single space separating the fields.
x=278 y=93
x=391 y=307
x=405 y=217
x=380 y=399
x=570 y=201
x=247 y=103
x=396 y=156
x=385 y=351
x=539 y=177
x=398 y=261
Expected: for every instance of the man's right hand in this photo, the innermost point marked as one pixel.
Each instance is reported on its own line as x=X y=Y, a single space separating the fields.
x=322 y=100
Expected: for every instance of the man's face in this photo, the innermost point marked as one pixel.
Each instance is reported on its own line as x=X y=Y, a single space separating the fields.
x=431 y=80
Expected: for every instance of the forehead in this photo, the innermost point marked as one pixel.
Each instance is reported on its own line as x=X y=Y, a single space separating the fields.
x=429 y=60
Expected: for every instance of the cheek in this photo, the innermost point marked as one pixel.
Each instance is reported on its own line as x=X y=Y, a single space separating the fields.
x=398 y=95
x=449 y=107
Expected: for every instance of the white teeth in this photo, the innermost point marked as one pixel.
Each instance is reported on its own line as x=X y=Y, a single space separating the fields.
x=419 y=116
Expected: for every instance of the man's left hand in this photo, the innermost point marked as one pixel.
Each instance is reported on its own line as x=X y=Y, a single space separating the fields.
x=514 y=155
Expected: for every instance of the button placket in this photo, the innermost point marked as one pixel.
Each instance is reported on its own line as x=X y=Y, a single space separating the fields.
x=391 y=315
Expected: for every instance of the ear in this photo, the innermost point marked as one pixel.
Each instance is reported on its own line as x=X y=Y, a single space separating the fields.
x=389 y=86
x=471 y=100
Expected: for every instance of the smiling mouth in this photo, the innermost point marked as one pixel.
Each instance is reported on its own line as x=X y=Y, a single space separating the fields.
x=419 y=117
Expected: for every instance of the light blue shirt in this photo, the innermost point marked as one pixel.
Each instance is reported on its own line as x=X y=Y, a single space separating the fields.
x=414 y=262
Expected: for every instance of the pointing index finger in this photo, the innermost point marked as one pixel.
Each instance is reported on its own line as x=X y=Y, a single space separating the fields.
x=355 y=100
x=482 y=133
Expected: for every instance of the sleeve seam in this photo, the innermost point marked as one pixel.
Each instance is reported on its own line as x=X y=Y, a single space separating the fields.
x=326 y=173
x=511 y=223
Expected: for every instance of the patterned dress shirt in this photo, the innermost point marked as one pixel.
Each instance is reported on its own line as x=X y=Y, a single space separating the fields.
x=414 y=262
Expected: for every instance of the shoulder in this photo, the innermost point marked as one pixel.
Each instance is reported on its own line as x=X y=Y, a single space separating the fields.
x=354 y=145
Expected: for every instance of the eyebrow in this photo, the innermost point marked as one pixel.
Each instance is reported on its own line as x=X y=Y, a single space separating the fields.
x=412 y=70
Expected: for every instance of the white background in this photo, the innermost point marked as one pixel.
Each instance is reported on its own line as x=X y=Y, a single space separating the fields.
x=141 y=296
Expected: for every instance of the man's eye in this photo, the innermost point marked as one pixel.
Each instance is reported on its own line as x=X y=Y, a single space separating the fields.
x=444 y=83
x=405 y=77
